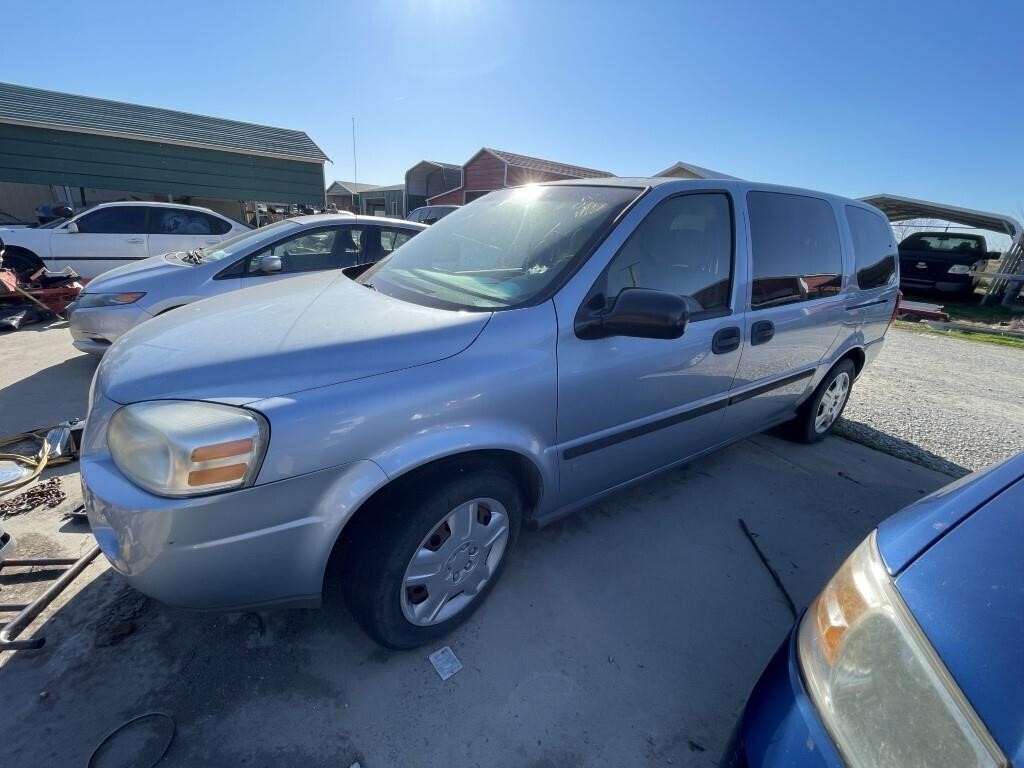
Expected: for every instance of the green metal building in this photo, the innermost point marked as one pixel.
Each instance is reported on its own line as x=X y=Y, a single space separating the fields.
x=60 y=139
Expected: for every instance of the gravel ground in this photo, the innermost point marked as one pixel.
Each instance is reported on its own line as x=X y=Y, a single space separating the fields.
x=949 y=404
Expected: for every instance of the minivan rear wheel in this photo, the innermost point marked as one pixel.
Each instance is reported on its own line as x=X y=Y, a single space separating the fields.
x=818 y=416
x=432 y=553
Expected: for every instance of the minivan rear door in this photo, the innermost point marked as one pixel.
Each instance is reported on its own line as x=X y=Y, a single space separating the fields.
x=795 y=308
x=874 y=288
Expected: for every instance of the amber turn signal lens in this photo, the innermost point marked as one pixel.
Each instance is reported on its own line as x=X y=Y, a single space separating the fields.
x=222 y=450
x=217 y=475
x=127 y=298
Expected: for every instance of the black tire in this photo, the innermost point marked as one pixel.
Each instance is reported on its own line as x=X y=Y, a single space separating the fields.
x=802 y=428
x=22 y=262
x=380 y=549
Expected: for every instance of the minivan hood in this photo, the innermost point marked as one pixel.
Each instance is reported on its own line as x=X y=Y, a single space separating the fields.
x=279 y=338
x=128 y=276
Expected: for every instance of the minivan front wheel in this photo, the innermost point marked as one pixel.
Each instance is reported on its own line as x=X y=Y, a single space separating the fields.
x=433 y=555
x=820 y=413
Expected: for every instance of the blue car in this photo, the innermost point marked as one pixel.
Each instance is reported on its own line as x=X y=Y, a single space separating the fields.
x=913 y=654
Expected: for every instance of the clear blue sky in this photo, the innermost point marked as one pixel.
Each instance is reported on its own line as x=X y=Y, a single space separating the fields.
x=852 y=98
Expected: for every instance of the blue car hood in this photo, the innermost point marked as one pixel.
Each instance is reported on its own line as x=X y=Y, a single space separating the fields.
x=966 y=591
x=278 y=338
x=957 y=555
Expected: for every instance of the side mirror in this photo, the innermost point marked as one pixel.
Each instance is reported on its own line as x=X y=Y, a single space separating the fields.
x=63 y=211
x=71 y=228
x=641 y=313
x=270 y=264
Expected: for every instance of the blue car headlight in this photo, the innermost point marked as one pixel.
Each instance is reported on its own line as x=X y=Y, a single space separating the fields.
x=882 y=692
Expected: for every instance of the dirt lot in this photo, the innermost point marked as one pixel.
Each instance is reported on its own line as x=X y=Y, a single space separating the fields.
x=628 y=634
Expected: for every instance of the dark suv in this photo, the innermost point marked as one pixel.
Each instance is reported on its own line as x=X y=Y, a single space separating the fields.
x=428 y=214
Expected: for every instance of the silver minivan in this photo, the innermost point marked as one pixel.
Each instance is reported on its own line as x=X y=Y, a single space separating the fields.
x=525 y=356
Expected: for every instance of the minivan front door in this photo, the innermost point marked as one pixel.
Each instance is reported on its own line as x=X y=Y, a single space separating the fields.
x=795 y=306
x=630 y=406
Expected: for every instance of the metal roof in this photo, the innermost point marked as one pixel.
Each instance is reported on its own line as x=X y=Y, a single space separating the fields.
x=391 y=188
x=696 y=171
x=439 y=164
x=547 y=166
x=898 y=208
x=22 y=105
x=349 y=188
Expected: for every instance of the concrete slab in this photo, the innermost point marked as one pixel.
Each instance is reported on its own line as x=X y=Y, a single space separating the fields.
x=628 y=634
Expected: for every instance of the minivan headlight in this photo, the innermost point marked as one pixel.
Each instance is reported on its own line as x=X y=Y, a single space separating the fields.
x=187 y=448
x=960 y=269
x=90 y=300
x=883 y=693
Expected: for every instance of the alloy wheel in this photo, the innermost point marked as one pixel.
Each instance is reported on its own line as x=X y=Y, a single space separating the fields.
x=831 y=404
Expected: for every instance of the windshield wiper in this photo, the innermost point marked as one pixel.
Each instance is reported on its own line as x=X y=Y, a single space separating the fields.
x=195 y=256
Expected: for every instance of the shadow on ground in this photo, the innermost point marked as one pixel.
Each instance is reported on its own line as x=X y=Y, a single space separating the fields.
x=53 y=394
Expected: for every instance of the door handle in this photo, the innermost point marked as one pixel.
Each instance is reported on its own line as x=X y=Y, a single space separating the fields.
x=136 y=240
x=726 y=340
x=761 y=332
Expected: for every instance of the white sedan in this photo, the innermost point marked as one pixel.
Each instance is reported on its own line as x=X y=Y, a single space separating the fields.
x=111 y=235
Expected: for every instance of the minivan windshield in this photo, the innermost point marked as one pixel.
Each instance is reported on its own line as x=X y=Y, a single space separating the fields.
x=240 y=244
x=503 y=250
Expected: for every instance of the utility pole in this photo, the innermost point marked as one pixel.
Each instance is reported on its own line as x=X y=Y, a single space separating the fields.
x=355 y=167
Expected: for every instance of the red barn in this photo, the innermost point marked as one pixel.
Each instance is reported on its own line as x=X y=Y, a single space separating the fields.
x=491 y=169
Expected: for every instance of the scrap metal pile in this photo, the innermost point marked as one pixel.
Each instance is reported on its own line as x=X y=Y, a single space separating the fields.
x=41 y=448
x=36 y=297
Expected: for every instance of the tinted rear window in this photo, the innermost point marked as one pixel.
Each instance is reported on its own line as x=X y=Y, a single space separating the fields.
x=794 y=248
x=874 y=247
x=944 y=244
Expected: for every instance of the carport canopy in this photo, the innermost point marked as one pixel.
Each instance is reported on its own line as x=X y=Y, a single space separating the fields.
x=1006 y=282
x=898 y=208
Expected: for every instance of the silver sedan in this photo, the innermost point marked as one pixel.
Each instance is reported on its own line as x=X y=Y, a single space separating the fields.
x=120 y=299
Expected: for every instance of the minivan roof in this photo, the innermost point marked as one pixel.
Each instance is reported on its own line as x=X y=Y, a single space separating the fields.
x=734 y=185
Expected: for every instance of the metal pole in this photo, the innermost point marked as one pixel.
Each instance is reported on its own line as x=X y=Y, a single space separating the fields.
x=9 y=634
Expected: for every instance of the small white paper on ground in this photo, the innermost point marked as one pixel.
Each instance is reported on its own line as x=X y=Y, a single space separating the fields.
x=445 y=662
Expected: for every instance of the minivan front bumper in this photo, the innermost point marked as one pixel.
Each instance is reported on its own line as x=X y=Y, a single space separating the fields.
x=267 y=545
x=258 y=547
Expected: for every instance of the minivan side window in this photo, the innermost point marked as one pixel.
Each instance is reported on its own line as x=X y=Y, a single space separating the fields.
x=794 y=249
x=684 y=246
x=874 y=248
